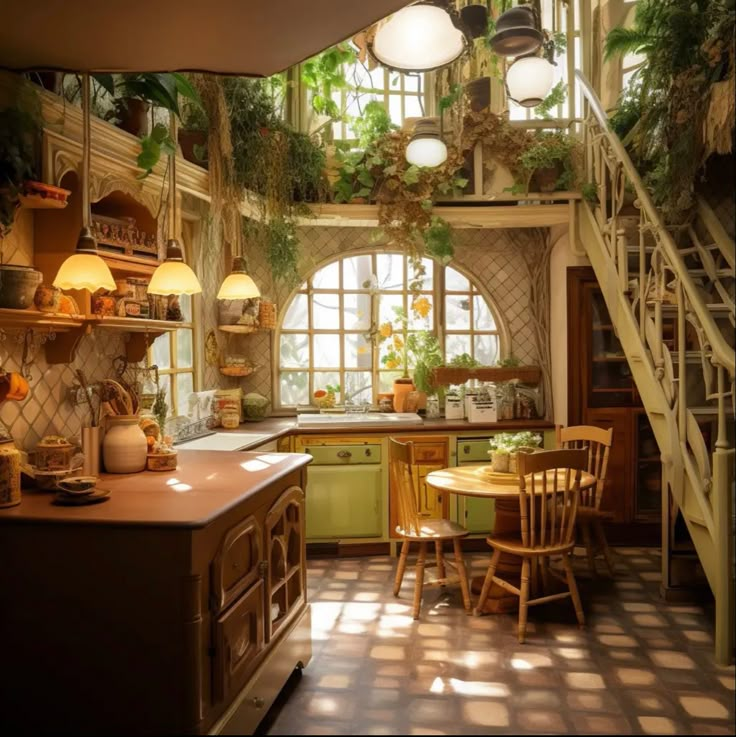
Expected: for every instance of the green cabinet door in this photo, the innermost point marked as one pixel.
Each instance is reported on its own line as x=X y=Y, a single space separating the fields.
x=344 y=501
x=480 y=514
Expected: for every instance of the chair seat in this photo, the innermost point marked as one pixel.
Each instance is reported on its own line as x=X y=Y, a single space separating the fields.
x=512 y=544
x=435 y=529
x=593 y=513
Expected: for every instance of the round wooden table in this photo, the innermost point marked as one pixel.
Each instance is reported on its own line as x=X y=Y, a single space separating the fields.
x=504 y=488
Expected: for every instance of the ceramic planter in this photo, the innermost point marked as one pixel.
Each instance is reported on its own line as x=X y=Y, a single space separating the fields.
x=9 y=474
x=132 y=115
x=479 y=93
x=402 y=387
x=18 y=285
x=188 y=140
x=125 y=446
x=545 y=179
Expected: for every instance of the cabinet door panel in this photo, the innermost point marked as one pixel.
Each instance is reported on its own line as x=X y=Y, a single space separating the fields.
x=235 y=566
x=344 y=501
x=238 y=639
x=617 y=494
x=430 y=500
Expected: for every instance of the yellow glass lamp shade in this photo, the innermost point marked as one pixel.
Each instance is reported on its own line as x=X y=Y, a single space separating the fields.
x=85 y=269
x=418 y=38
x=173 y=276
x=238 y=285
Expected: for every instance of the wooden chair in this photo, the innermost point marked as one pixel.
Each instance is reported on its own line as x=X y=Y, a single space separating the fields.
x=548 y=506
x=414 y=528
x=590 y=515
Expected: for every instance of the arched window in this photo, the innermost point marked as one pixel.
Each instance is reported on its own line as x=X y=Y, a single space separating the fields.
x=328 y=334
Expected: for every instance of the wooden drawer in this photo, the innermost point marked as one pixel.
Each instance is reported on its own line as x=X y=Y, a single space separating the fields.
x=238 y=639
x=430 y=452
x=235 y=567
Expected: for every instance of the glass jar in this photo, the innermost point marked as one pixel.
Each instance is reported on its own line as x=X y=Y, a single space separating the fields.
x=433 y=408
x=230 y=419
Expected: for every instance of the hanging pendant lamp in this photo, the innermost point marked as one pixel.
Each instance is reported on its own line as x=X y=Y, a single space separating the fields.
x=238 y=285
x=84 y=269
x=173 y=276
x=517 y=32
x=529 y=80
x=426 y=147
x=419 y=38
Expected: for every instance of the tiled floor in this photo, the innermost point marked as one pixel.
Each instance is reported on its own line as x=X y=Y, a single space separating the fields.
x=641 y=666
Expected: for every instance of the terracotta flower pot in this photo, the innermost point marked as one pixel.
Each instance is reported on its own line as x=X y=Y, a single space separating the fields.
x=402 y=387
x=132 y=115
x=18 y=286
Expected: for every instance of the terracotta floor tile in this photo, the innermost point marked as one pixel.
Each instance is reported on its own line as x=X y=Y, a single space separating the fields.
x=641 y=666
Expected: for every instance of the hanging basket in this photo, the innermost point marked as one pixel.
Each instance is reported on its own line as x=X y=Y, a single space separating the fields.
x=267 y=315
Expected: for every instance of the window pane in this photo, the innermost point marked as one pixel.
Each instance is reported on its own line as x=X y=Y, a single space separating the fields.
x=323 y=378
x=164 y=383
x=294 y=387
x=386 y=311
x=185 y=302
x=457 y=312
x=326 y=351
x=412 y=82
x=184 y=387
x=394 y=108
x=355 y=272
x=378 y=78
x=356 y=311
x=326 y=311
x=294 y=350
x=386 y=382
x=296 y=315
x=486 y=349
x=390 y=268
x=327 y=277
x=416 y=321
x=412 y=107
x=358 y=387
x=162 y=351
x=456 y=345
x=455 y=281
x=184 y=351
x=482 y=315
x=357 y=351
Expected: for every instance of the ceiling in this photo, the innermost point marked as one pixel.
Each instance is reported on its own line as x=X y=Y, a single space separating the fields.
x=244 y=37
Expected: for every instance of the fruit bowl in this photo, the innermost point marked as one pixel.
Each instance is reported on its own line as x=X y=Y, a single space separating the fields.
x=78 y=485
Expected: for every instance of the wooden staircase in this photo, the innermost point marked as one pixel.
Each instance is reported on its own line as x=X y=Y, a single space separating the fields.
x=670 y=294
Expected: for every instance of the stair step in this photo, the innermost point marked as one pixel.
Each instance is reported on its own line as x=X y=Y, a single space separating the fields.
x=715 y=307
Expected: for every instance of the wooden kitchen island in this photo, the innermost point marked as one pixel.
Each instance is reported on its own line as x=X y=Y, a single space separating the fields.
x=177 y=606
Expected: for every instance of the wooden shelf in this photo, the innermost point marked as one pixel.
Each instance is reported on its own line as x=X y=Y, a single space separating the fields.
x=141 y=332
x=36 y=320
x=122 y=265
x=241 y=329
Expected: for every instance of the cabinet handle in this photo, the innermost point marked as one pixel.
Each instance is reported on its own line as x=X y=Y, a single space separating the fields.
x=344 y=454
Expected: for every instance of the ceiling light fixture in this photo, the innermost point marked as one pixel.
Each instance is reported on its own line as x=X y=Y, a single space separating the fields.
x=84 y=269
x=238 y=285
x=173 y=276
x=419 y=38
x=529 y=80
x=426 y=147
x=517 y=32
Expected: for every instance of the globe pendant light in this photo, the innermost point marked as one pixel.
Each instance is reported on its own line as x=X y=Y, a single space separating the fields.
x=426 y=147
x=418 y=38
x=85 y=269
x=173 y=276
x=529 y=80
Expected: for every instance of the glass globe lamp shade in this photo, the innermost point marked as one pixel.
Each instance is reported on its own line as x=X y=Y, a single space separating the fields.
x=84 y=269
x=173 y=276
x=529 y=80
x=418 y=38
x=238 y=285
x=426 y=151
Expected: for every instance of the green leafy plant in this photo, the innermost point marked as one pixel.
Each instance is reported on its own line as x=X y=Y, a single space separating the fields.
x=282 y=250
x=438 y=240
x=509 y=362
x=550 y=151
x=158 y=142
x=426 y=354
x=556 y=96
x=20 y=135
x=160 y=408
x=324 y=73
x=372 y=124
x=464 y=360
x=512 y=442
x=589 y=192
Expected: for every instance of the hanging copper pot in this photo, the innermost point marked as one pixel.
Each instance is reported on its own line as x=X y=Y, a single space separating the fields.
x=517 y=32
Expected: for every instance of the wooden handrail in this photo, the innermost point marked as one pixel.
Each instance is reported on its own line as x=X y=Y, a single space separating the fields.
x=720 y=237
x=722 y=353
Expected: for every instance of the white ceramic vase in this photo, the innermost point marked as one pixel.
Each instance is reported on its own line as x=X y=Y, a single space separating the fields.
x=125 y=447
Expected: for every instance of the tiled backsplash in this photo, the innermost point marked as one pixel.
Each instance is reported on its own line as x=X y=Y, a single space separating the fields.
x=47 y=410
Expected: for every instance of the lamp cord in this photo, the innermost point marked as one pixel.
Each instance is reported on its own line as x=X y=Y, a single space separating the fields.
x=172 y=178
x=86 y=145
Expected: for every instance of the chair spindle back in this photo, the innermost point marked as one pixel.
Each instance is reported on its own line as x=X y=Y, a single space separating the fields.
x=548 y=502
x=400 y=459
x=598 y=442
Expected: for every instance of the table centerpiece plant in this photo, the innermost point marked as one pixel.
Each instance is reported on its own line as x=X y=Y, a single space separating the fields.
x=505 y=447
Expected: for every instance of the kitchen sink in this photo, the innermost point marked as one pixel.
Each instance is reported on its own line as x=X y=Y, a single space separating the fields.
x=225 y=441
x=360 y=418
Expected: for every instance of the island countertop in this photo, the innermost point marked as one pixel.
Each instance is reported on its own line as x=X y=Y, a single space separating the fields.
x=205 y=484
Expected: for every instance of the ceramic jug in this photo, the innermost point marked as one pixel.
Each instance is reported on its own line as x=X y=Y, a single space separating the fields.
x=124 y=447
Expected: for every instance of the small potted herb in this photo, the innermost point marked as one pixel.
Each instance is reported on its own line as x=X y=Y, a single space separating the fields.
x=505 y=447
x=547 y=163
